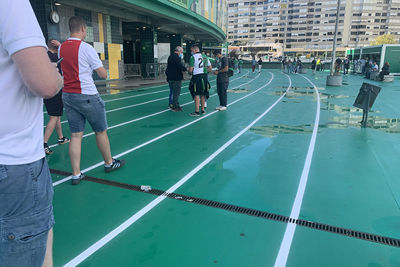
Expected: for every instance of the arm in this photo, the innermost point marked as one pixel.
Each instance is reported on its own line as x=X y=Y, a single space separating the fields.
x=102 y=72
x=34 y=64
x=94 y=61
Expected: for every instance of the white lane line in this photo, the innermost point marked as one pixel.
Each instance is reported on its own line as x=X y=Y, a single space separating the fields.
x=291 y=227
x=151 y=115
x=146 y=88
x=135 y=105
x=107 y=238
x=165 y=134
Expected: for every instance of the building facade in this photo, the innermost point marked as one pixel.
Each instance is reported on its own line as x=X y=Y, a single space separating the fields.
x=136 y=32
x=305 y=25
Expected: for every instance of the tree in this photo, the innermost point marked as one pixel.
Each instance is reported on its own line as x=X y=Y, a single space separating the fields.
x=384 y=39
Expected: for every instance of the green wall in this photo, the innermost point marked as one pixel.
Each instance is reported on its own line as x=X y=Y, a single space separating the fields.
x=175 y=11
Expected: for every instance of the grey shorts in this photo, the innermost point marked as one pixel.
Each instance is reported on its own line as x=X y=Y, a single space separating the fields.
x=26 y=213
x=80 y=108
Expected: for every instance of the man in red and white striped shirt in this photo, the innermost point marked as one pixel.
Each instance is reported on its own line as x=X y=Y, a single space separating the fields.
x=81 y=99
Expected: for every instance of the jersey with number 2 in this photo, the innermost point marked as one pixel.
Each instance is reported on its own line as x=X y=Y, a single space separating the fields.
x=199 y=64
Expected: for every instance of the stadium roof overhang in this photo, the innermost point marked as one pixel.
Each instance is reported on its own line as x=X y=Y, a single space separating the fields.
x=164 y=15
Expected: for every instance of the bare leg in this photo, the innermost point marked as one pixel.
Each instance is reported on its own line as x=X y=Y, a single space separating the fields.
x=104 y=146
x=75 y=152
x=203 y=102
x=59 y=128
x=196 y=103
x=50 y=128
x=48 y=259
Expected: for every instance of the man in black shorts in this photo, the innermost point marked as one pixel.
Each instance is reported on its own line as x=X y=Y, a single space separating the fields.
x=54 y=105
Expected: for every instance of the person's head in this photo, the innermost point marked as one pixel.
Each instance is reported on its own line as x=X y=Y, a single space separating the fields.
x=387 y=63
x=77 y=27
x=52 y=48
x=195 y=49
x=217 y=53
x=178 y=50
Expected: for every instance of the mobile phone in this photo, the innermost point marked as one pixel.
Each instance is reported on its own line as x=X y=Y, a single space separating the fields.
x=59 y=61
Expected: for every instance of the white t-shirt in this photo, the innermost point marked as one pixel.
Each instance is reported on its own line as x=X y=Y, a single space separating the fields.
x=199 y=63
x=21 y=112
x=80 y=60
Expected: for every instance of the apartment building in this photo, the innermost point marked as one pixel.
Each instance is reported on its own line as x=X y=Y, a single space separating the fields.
x=305 y=25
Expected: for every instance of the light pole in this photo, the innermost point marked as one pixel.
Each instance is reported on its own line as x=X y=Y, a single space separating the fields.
x=334 y=80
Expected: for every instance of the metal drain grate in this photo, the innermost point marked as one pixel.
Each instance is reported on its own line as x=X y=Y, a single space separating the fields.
x=251 y=212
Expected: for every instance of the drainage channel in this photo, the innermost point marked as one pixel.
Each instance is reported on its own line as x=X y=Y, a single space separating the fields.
x=247 y=211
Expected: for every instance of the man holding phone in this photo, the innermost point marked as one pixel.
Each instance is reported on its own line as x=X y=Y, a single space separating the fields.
x=54 y=105
x=26 y=189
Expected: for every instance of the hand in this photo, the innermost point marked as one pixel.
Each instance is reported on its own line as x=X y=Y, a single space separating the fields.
x=56 y=43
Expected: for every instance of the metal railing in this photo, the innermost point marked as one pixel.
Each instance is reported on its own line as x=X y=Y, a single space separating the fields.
x=132 y=70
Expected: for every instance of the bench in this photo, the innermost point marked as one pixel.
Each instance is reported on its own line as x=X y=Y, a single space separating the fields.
x=388 y=78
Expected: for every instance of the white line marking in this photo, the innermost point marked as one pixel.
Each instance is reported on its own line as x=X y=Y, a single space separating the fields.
x=103 y=241
x=147 y=116
x=165 y=134
x=138 y=104
x=291 y=227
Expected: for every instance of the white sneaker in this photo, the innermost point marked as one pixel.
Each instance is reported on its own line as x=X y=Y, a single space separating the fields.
x=218 y=108
x=222 y=108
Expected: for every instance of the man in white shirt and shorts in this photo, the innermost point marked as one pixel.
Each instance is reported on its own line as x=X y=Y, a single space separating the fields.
x=81 y=99
x=26 y=189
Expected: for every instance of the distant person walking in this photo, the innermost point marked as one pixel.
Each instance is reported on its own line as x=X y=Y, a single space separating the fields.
x=253 y=64
x=81 y=99
x=260 y=63
x=222 y=80
x=240 y=65
x=346 y=65
x=199 y=86
x=313 y=65
x=54 y=105
x=319 y=68
x=174 y=72
x=236 y=63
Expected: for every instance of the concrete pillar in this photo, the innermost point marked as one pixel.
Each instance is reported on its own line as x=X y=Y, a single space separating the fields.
x=42 y=9
x=149 y=49
x=175 y=40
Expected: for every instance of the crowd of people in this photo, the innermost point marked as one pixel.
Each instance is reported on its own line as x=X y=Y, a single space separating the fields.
x=199 y=86
x=292 y=65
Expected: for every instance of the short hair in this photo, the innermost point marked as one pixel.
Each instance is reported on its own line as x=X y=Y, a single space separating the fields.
x=217 y=52
x=76 y=23
x=195 y=48
x=178 y=49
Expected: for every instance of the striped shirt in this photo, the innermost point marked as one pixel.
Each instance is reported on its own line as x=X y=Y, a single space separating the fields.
x=80 y=60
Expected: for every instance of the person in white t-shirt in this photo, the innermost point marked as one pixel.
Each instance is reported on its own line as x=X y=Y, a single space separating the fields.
x=81 y=99
x=26 y=190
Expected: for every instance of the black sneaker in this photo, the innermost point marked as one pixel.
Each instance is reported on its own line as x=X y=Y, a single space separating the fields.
x=116 y=164
x=170 y=106
x=47 y=149
x=195 y=114
x=63 y=140
x=203 y=112
x=76 y=181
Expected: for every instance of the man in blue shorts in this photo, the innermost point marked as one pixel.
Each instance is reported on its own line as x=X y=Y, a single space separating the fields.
x=26 y=190
x=82 y=100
